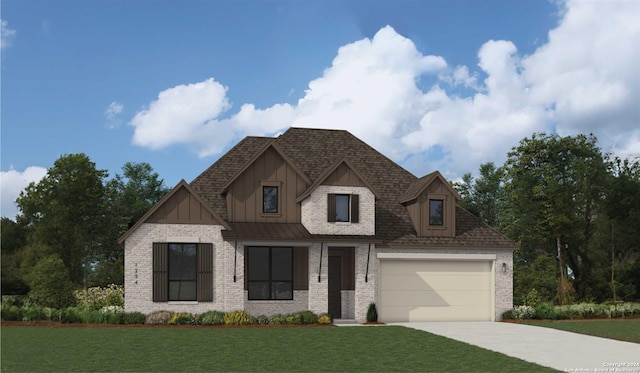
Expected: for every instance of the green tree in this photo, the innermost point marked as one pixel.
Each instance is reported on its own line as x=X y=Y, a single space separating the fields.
x=483 y=196
x=14 y=238
x=554 y=186
x=50 y=284
x=66 y=211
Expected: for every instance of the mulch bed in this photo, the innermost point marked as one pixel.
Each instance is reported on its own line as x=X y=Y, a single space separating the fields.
x=52 y=324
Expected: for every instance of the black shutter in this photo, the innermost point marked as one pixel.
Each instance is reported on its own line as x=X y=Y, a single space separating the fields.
x=205 y=273
x=160 y=272
x=355 y=208
x=300 y=268
x=331 y=207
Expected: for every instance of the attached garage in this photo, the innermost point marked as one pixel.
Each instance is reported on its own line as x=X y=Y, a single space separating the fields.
x=422 y=287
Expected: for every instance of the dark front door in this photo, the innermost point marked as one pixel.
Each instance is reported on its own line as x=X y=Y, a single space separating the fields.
x=335 y=284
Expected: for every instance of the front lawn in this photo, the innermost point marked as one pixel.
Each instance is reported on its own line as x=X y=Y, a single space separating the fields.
x=385 y=348
x=622 y=330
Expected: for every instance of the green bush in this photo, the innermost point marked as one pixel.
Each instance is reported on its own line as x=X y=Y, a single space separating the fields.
x=238 y=318
x=294 y=319
x=35 y=313
x=134 y=318
x=182 y=318
x=11 y=313
x=93 y=317
x=523 y=312
x=115 y=318
x=532 y=298
x=372 y=313
x=325 y=318
x=277 y=320
x=545 y=311
x=262 y=319
x=309 y=317
x=70 y=315
x=97 y=298
x=14 y=300
x=212 y=318
x=158 y=317
x=49 y=283
x=507 y=315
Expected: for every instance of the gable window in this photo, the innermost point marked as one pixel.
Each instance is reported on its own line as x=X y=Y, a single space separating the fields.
x=182 y=272
x=343 y=208
x=270 y=199
x=270 y=273
x=436 y=212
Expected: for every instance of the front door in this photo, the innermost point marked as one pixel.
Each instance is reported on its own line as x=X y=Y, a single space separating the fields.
x=335 y=285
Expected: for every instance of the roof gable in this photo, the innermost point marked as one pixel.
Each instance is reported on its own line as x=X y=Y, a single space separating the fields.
x=181 y=205
x=270 y=145
x=418 y=186
x=330 y=171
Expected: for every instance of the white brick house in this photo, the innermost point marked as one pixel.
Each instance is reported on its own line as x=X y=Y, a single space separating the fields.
x=316 y=220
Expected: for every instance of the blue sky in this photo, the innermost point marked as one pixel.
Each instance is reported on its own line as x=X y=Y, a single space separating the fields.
x=443 y=85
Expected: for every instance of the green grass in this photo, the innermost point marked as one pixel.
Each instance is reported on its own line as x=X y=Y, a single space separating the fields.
x=622 y=330
x=388 y=348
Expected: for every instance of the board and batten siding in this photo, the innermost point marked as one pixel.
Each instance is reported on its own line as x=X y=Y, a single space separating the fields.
x=182 y=208
x=419 y=211
x=244 y=197
x=343 y=175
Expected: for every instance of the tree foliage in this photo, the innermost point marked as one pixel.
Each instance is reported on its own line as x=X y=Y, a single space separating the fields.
x=483 y=196
x=75 y=215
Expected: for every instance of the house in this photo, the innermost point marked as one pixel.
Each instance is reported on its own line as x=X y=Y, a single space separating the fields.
x=316 y=220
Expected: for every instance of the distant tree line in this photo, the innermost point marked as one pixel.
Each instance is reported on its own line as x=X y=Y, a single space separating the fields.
x=574 y=211
x=66 y=234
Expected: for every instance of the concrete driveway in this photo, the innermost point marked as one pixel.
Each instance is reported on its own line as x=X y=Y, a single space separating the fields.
x=565 y=351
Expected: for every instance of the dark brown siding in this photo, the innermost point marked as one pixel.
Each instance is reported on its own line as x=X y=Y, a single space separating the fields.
x=160 y=272
x=343 y=176
x=182 y=208
x=205 y=272
x=300 y=268
x=244 y=197
x=348 y=266
x=419 y=211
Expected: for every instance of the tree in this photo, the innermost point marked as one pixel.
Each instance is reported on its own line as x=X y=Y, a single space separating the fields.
x=50 y=284
x=14 y=238
x=66 y=211
x=482 y=196
x=129 y=196
x=553 y=188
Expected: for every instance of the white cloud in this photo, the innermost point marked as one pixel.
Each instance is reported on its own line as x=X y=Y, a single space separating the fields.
x=112 y=112
x=12 y=182
x=584 y=79
x=6 y=34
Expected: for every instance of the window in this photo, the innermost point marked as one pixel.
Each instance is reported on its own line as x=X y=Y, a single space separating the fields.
x=270 y=199
x=343 y=208
x=270 y=273
x=182 y=272
x=436 y=212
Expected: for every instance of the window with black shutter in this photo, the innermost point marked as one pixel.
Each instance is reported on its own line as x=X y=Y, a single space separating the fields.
x=182 y=272
x=343 y=208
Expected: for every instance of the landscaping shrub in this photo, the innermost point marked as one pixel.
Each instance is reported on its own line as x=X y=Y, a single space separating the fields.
x=14 y=300
x=158 y=317
x=294 y=319
x=11 y=313
x=325 y=318
x=238 y=318
x=182 y=318
x=262 y=319
x=309 y=317
x=97 y=298
x=115 y=318
x=212 y=318
x=277 y=320
x=523 y=312
x=134 y=318
x=544 y=311
x=372 y=313
x=532 y=298
x=70 y=315
x=93 y=317
x=507 y=315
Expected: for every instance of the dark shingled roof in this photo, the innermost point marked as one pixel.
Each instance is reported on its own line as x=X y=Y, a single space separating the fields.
x=314 y=151
x=285 y=232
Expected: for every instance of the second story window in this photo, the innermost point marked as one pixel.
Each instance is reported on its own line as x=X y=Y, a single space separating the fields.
x=343 y=208
x=270 y=199
x=436 y=212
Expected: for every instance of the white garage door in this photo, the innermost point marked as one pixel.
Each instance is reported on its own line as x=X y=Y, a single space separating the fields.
x=435 y=290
